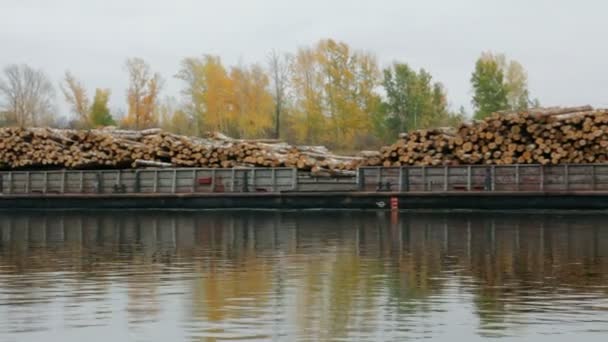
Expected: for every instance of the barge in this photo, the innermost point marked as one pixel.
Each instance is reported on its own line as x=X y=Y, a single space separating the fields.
x=494 y=187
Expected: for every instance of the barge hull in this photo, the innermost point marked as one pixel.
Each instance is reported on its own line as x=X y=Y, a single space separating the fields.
x=316 y=200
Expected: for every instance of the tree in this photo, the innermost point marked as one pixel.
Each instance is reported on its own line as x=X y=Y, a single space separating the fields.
x=26 y=96
x=412 y=100
x=173 y=118
x=76 y=96
x=516 y=81
x=278 y=67
x=490 y=91
x=209 y=93
x=142 y=95
x=334 y=97
x=499 y=84
x=308 y=121
x=253 y=103
x=99 y=114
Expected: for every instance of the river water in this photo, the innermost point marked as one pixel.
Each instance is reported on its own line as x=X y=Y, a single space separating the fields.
x=307 y=276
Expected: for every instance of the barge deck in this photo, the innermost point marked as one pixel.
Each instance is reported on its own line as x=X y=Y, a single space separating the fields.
x=454 y=187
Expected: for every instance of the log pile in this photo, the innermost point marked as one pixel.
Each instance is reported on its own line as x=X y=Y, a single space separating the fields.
x=542 y=136
x=31 y=148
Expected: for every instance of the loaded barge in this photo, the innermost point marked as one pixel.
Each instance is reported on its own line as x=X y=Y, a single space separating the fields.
x=580 y=186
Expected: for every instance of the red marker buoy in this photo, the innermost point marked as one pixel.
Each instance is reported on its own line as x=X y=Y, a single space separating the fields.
x=394 y=203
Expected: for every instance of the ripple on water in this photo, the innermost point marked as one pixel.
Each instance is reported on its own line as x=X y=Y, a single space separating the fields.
x=303 y=276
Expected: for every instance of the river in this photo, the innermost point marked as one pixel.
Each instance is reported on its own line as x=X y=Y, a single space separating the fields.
x=302 y=276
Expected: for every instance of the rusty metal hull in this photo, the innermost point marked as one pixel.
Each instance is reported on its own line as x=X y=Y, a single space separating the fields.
x=313 y=200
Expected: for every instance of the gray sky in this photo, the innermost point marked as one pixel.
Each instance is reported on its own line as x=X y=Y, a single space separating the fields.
x=562 y=43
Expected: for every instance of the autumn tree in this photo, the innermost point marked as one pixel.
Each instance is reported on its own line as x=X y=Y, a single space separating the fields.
x=308 y=121
x=26 y=96
x=208 y=93
x=516 y=79
x=278 y=68
x=412 y=100
x=99 y=113
x=341 y=68
x=499 y=84
x=252 y=101
x=142 y=94
x=75 y=95
x=173 y=117
x=334 y=89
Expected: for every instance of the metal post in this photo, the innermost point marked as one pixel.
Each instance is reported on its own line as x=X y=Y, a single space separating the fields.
x=232 y=179
x=81 y=185
x=566 y=176
x=27 y=182
x=245 y=187
x=174 y=181
x=517 y=177
x=469 y=178
x=213 y=180
x=406 y=179
x=99 y=176
x=294 y=179
x=542 y=178
x=361 y=178
x=400 y=187
x=423 y=178
x=254 y=180
x=379 y=179
x=445 y=178
x=194 y=181
x=63 y=178
x=10 y=183
x=493 y=177
x=273 y=175
x=45 y=183
x=155 y=186
x=593 y=177
x=137 y=186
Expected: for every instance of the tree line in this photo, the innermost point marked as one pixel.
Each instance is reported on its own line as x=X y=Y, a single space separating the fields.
x=326 y=93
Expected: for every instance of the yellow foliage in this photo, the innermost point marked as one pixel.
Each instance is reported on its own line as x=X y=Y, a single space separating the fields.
x=238 y=103
x=76 y=95
x=253 y=103
x=142 y=94
x=332 y=98
x=334 y=89
x=308 y=120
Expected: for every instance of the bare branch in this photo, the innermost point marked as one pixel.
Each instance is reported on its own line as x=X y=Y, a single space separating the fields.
x=26 y=96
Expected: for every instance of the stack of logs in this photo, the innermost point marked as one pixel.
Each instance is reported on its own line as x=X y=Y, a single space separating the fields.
x=29 y=148
x=541 y=136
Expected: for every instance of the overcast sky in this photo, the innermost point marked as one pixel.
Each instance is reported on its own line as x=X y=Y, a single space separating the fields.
x=563 y=44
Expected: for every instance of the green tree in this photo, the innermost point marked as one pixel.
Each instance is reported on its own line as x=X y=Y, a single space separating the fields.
x=99 y=113
x=499 y=84
x=490 y=91
x=412 y=100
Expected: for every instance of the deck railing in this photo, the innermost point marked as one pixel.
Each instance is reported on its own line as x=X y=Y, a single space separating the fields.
x=494 y=178
x=182 y=180
x=491 y=178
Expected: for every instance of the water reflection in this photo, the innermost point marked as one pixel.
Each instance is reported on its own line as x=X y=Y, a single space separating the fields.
x=301 y=276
